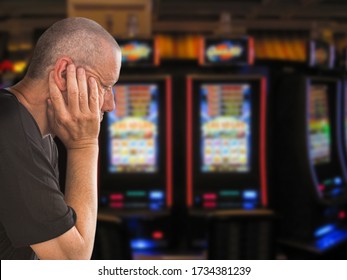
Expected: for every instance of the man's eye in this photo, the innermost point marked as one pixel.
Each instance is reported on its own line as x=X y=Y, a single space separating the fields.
x=108 y=89
x=105 y=88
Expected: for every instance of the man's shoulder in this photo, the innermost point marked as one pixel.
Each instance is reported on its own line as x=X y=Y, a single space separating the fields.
x=16 y=122
x=9 y=106
x=11 y=117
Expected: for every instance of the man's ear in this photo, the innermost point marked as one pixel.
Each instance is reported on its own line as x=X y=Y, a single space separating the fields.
x=60 y=69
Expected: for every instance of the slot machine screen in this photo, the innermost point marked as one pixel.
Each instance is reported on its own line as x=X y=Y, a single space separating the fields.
x=225 y=119
x=227 y=140
x=133 y=129
x=319 y=126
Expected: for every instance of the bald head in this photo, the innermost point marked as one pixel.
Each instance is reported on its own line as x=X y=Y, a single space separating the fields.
x=81 y=39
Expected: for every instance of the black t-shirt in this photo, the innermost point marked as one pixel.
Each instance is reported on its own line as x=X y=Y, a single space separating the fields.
x=32 y=206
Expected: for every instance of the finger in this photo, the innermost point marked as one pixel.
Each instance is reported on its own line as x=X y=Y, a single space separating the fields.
x=93 y=96
x=56 y=97
x=83 y=90
x=72 y=89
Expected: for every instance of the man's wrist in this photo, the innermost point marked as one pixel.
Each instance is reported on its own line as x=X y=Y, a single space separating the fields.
x=83 y=144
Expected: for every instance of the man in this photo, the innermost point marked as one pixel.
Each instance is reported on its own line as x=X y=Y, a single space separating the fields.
x=66 y=90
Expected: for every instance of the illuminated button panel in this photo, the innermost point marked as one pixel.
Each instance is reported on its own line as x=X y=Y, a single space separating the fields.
x=334 y=213
x=332 y=187
x=148 y=234
x=229 y=199
x=329 y=235
x=134 y=199
x=155 y=240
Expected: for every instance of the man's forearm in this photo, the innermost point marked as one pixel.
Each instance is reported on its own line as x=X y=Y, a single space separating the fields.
x=81 y=191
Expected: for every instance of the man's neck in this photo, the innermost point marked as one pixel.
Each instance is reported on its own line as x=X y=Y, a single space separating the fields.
x=33 y=96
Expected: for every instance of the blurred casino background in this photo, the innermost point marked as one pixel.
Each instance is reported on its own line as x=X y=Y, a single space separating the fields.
x=280 y=27
x=260 y=204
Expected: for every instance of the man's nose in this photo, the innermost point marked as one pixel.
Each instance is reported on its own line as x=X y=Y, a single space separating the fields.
x=109 y=103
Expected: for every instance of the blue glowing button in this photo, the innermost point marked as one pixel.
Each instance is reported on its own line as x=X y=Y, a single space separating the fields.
x=324 y=230
x=248 y=205
x=337 y=180
x=142 y=244
x=250 y=195
x=156 y=195
x=331 y=239
x=155 y=206
x=336 y=191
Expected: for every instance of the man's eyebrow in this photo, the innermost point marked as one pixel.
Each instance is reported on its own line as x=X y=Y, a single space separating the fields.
x=104 y=84
x=111 y=84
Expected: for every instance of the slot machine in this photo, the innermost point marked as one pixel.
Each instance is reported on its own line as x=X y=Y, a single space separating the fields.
x=226 y=153
x=311 y=189
x=343 y=115
x=136 y=155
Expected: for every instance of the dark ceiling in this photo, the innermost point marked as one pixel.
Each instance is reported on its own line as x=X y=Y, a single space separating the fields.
x=195 y=15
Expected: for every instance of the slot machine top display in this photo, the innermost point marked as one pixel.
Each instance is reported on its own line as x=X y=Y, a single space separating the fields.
x=139 y=52
x=321 y=54
x=227 y=51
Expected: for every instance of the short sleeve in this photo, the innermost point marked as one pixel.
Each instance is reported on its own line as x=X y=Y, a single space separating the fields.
x=32 y=207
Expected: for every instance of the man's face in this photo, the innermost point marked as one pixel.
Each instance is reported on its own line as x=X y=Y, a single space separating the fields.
x=106 y=75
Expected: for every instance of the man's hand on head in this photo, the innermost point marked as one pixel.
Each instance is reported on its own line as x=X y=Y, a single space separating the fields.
x=76 y=121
